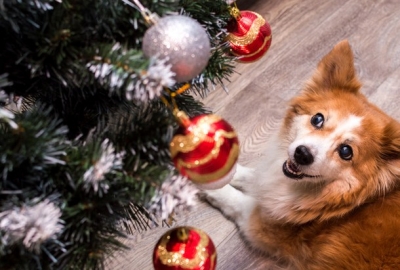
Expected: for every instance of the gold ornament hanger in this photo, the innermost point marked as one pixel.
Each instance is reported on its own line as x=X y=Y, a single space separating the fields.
x=149 y=17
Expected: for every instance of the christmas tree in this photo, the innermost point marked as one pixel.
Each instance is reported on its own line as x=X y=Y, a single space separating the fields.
x=86 y=126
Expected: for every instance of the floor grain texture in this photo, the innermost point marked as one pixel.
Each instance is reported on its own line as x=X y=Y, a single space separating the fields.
x=303 y=31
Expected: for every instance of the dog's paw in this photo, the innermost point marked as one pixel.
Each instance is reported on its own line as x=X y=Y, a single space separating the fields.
x=214 y=197
x=242 y=177
x=233 y=203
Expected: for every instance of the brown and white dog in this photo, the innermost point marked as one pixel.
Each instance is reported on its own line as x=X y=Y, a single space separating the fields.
x=327 y=195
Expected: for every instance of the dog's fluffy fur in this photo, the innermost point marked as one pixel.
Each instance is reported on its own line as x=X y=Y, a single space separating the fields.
x=327 y=194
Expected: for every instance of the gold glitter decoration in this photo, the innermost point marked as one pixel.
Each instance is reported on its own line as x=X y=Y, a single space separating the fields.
x=256 y=52
x=219 y=137
x=176 y=259
x=189 y=142
x=206 y=178
x=213 y=259
x=251 y=34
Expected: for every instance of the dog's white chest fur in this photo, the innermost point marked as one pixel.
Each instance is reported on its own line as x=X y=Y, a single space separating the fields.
x=265 y=185
x=273 y=191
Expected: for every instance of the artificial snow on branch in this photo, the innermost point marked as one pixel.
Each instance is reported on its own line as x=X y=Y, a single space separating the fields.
x=108 y=161
x=176 y=194
x=31 y=225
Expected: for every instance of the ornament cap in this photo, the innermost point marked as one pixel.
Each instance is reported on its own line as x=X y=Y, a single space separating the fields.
x=182 y=234
x=182 y=118
x=235 y=12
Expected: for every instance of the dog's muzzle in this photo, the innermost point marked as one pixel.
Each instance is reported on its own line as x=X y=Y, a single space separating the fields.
x=292 y=170
x=302 y=156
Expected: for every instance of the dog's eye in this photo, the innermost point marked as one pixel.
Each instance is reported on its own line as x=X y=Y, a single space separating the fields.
x=345 y=152
x=317 y=120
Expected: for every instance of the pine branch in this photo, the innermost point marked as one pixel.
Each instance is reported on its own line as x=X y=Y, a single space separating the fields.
x=4 y=81
x=28 y=151
x=127 y=73
x=145 y=133
x=90 y=142
x=92 y=211
x=29 y=203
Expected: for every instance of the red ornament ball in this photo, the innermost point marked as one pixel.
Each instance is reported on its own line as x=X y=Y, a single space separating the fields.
x=185 y=248
x=205 y=149
x=249 y=35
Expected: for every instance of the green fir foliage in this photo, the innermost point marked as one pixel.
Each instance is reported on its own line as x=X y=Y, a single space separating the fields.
x=84 y=142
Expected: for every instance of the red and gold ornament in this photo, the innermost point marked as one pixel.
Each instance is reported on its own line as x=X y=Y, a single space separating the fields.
x=249 y=35
x=205 y=149
x=185 y=248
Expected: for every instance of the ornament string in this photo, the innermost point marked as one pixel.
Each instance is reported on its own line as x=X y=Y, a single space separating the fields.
x=180 y=116
x=181 y=90
x=149 y=17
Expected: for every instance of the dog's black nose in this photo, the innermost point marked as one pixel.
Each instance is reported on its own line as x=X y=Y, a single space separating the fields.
x=303 y=156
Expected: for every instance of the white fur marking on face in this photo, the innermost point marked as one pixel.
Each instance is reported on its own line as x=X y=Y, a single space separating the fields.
x=345 y=128
x=321 y=146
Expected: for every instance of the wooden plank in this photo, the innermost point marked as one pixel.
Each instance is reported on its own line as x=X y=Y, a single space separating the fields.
x=387 y=95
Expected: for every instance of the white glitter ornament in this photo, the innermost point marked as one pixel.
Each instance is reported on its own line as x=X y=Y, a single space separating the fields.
x=182 y=41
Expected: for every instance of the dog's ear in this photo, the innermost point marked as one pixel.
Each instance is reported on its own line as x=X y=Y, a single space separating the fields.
x=390 y=142
x=336 y=70
x=390 y=152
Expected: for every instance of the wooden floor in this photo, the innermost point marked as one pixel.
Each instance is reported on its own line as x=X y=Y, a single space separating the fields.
x=303 y=31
